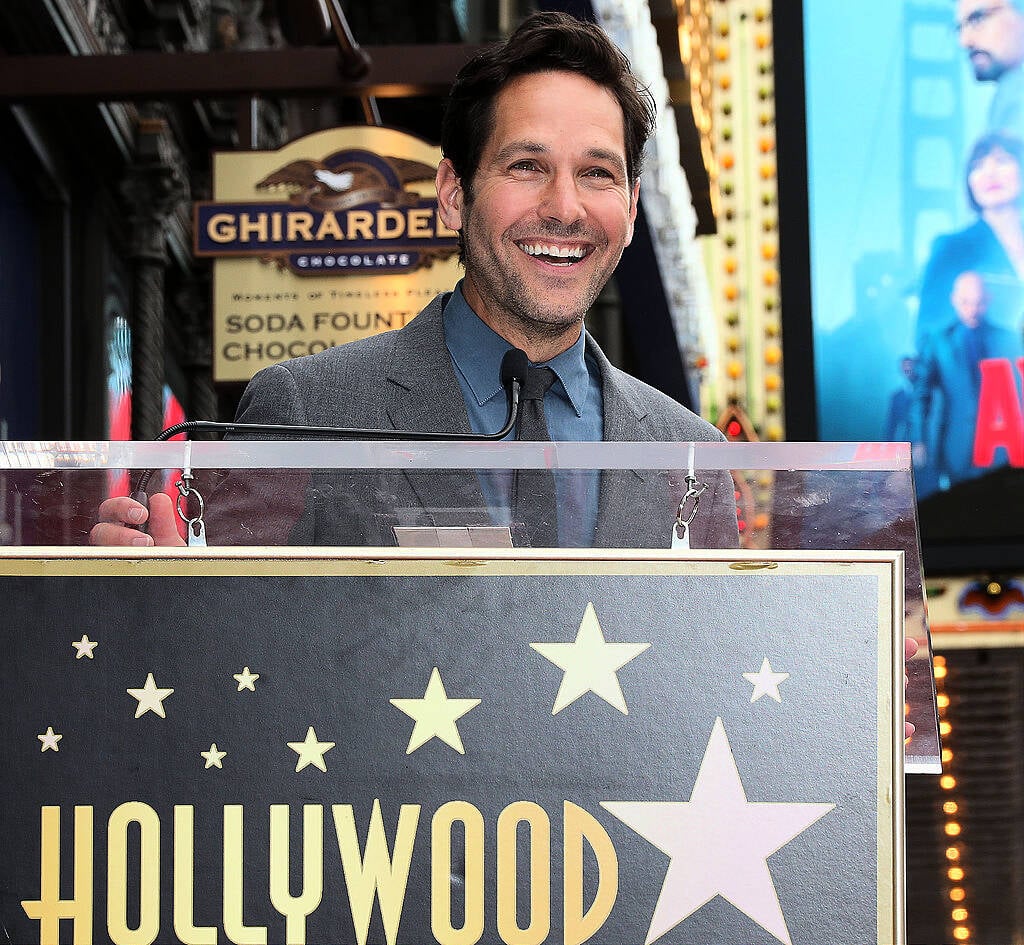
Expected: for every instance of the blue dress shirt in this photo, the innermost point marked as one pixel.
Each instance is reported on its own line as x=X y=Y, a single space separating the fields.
x=573 y=408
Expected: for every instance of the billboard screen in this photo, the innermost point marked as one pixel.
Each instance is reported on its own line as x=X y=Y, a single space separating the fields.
x=915 y=173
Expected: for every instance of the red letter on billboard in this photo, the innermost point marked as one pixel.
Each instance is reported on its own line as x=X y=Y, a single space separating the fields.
x=1000 y=422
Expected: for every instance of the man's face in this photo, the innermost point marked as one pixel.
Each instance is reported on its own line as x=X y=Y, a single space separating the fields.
x=550 y=212
x=969 y=299
x=992 y=32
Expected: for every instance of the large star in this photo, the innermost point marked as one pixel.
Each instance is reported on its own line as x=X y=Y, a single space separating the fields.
x=766 y=683
x=435 y=715
x=85 y=646
x=311 y=751
x=590 y=664
x=718 y=843
x=151 y=698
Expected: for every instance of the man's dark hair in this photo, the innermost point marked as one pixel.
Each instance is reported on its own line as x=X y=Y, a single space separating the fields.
x=985 y=145
x=543 y=42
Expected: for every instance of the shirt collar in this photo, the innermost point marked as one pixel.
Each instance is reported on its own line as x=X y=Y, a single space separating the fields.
x=477 y=351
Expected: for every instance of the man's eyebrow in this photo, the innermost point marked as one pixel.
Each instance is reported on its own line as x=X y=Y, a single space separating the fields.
x=533 y=147
x=519 y=147
x=612 y=157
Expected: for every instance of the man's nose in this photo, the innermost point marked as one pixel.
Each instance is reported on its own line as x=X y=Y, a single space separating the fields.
x=562 y=201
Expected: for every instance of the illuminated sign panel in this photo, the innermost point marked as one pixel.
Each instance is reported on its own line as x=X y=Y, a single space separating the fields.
x=313 y=252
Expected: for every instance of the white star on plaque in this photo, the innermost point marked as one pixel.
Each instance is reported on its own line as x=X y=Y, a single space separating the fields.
x=718 y=843
x=311 y=751
x=213 y=757
x=435 y=715
x=246 y=680
x=49 y=738
x=151 y=698
x=590 y=664
x=765 y=682
x=85 y=646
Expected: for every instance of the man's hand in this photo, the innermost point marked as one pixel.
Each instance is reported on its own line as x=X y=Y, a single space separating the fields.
x=909 y=649
x=118 y=514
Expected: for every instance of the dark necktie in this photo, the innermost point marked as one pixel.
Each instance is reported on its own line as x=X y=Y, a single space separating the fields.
x=534 y=502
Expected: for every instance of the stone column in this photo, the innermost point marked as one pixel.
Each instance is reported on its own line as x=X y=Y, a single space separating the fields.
x=153 y=188
x=193 y=303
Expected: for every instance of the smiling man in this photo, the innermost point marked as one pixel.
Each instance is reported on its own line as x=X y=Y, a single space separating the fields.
x=545 y=210
x=543 y=142
x=992 y=34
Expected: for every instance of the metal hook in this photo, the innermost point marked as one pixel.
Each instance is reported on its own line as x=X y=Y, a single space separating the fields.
x=694 y=490
x=196 y=526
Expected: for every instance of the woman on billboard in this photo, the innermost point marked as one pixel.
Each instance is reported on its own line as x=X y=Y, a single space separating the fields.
x=992 y=246
x=970 y=311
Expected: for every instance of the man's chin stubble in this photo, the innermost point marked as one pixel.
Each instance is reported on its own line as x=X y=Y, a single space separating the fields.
x=985 y=69
x=536 y=324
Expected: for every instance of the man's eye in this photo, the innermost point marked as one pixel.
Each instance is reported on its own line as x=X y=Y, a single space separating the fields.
x=525 y=166
x=599 y=172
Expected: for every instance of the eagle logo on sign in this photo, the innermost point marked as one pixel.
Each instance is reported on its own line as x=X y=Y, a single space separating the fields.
x=346 y=179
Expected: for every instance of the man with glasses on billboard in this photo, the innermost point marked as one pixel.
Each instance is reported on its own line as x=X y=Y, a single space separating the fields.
x=992 y=33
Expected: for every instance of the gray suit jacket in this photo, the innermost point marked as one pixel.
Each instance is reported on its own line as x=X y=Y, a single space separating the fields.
x=405 y=380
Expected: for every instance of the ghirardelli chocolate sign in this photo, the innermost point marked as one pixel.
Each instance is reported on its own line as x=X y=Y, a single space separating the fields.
x=333 y=237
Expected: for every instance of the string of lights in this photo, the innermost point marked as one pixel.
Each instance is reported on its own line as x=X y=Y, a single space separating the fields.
x=952 y=803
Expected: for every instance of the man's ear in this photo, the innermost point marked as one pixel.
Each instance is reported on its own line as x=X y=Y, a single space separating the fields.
x=633 y=198
x=450 y=196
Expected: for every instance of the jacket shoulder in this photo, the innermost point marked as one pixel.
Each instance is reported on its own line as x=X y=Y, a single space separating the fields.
x=659 y=416
x=340 y=386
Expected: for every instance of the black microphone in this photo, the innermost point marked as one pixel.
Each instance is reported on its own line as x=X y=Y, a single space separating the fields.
x=513 y=375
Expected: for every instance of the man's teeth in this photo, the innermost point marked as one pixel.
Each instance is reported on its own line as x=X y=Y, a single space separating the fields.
x=542 y=249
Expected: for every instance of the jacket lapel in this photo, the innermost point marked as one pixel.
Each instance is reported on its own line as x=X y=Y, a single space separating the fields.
x=423 y=394
x=622 y=521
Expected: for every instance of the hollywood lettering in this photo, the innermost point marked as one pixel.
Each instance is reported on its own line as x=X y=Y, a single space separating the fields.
x=377 y=870
x=1000 y=423
x=350 y=213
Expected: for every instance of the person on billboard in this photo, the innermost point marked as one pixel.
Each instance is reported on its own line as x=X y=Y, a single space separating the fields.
x=947 y=385
x=992 y=246
x=992 y=34
x=898 y=427
x=543 y=146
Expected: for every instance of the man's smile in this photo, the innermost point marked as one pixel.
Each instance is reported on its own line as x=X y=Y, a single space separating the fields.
x=555 y=254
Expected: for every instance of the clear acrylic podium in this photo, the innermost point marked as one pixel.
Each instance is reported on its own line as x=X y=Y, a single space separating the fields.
x=331 y=654
x=811 y=496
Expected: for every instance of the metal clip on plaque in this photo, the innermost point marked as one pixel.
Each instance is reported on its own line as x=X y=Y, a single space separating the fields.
x=688 y=506
x=195 y=525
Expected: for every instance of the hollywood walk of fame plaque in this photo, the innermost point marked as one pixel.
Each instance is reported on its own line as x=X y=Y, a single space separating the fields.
x=497 y=747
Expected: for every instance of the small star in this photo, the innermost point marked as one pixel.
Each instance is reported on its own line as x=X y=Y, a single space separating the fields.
x=766 y=683
x=151 y=699
x=435 y=715
x=213 y=757
x=49 y=738
x=85 y=646
x=590 y=664
x=311 y=751
x=246 y=680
